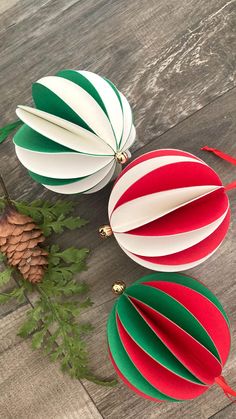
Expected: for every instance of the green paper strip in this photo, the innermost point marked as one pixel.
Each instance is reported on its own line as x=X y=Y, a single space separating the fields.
x=144 y=336
x=115 y=90
x=47 y=101
x=30 y=139
x=188 y=282
x=44 y=180
x=118 y=95
x=173 y=310
x=125 y=364
x=83 y=82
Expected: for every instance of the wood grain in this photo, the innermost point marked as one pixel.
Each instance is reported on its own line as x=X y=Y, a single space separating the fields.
x=172 y=60
x=11 y=305
x=228 y=412
x=216 y=119
x=6 y=4
x=33 y=388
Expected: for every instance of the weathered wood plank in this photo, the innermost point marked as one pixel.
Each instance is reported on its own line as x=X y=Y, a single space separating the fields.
x=6 y=4
x=167 y=52
x=228 y=413
x=160 y=73
x=170 y=59
x=33 y=388
x=11 y=305
x=109 y=263
x=8 y=331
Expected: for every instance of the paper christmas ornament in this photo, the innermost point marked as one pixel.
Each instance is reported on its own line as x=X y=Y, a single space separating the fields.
x=77 y=137
x=169 y=338
x=168 y=210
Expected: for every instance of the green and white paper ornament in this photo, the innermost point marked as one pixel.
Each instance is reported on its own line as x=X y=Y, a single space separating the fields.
x=78 y=134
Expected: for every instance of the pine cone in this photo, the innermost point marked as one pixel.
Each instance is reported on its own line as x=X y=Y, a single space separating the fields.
x=19 y=239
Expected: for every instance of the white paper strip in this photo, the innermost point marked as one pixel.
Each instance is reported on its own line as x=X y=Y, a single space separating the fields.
x=103 y=182
x=63 y=132
x=110 y=101
x=61 y=165
x=83 y=104
x=166 y=245
x=166 y=268
x=128 y=121
x=140 y=170
x=83 y=184
x=150 y=207
x=118 y=169
x=130 y=139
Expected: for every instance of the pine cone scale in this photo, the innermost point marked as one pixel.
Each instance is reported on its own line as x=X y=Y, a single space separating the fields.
x=33 y=242
x=3 y=241
x=31 y=226
x=15 y=217
x=7 y=230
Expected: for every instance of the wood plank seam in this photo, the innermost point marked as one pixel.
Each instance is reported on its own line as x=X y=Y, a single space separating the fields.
x=221 y=410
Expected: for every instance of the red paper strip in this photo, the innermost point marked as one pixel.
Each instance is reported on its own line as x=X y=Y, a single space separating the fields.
x=152 y=155
x=136 y=390
x=190 y=217
x=194 y=356
x=196 y=252
x=210 y=317
x=158 y=376
x=171 y=176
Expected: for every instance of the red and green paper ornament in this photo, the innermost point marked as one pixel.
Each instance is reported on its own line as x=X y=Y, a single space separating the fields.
x=168 y=337
x=78 y=134
x=168 y=210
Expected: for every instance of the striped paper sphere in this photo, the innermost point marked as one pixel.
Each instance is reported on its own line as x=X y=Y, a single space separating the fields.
x=168 y=210
x=72 y=140
x=168 y=337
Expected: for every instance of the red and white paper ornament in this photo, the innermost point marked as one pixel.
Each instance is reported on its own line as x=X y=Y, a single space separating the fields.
x=168 y=210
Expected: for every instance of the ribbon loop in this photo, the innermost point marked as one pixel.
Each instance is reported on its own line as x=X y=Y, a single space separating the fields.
x=220 y=381
x=225 y=157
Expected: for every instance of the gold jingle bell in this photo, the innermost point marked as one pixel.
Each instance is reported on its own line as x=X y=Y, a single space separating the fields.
x=121 y=157
x=105 y=231
x=118 y=287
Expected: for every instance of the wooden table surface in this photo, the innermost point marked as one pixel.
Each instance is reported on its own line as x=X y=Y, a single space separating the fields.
x=175 y=60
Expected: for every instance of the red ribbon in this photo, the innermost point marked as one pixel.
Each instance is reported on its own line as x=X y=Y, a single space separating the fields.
x=231 y=185
x=223 y=156
x=225 y=387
